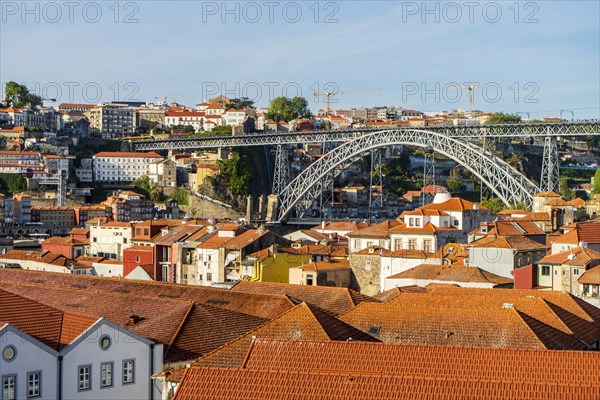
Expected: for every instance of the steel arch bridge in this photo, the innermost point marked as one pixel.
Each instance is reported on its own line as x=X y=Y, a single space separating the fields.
x=505 y=181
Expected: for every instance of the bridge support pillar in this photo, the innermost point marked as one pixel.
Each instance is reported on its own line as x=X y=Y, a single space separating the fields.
x=550 y=179
x=376 y=181
x=272 y=208
x=281 y=174
x=428 y=174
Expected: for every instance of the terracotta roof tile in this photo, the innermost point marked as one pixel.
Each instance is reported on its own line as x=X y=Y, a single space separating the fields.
x=508 y=242
x=262 y=305
x=441 y=362
x=451 y=273
x=215 y=384
x=334 y=300
x=303 y=322
x=393 y=293
x=49 y=325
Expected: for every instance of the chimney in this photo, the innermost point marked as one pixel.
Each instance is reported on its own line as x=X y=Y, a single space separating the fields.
x=322 y=224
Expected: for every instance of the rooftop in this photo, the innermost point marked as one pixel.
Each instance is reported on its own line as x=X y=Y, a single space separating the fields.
x=451 y=273
x=332 y=299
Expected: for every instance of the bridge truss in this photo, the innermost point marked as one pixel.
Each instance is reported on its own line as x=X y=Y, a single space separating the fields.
x=505 y=181
x=456 y=142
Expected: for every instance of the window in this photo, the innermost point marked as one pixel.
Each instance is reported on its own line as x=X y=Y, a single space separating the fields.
x=412 y=244
x=209 y=276
x=576 y=271
x=84 y=377
x=104 y=342
x=417 y=221
x=137 y=258
x=9 y=387
x=427 y=245
x=398 y=244
x=106 y=376
x=33 y=384
x=309 y=280
x=128 y=370
x=545 y=270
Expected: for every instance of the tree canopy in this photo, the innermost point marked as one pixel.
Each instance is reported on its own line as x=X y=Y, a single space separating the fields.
x=240 y=104
x=286 y=109
x=20 y=96
x=596 y=185
x=502 y=118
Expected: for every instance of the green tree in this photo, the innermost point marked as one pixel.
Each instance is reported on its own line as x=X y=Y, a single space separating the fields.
x=144 y=184
x=494 y=204
x=240 y=104
x=502 y=118
x=181 y=196
x=20 y=96
x=238 y=169
x=224 y=130
x=596 y=185
x=565 y=190
x=455 y=186
x=12 y=183
x=286 y=109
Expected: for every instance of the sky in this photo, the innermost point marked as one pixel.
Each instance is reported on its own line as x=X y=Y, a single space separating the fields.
x=536 y=57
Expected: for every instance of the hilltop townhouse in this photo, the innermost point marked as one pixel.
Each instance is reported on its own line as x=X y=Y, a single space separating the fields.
x=110 y=121
x=129 y=206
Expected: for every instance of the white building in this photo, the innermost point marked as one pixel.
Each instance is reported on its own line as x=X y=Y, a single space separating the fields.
x=184 y=118
x=51 y=354
x=122 y=166
x=110 y=239
x=234 y=117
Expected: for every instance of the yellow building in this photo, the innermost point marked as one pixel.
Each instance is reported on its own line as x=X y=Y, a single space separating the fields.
x=203 y=170
x=269 y=265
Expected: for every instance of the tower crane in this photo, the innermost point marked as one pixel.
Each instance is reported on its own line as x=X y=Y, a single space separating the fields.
x=329 y=94
x=164 y=98
x=470 y=89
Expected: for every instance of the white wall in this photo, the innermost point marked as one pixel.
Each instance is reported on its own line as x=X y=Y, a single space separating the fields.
x=31 y=356
x=124 y=346
x=394 y=265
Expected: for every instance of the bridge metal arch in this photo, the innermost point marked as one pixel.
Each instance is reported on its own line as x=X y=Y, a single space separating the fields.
x=505 y=181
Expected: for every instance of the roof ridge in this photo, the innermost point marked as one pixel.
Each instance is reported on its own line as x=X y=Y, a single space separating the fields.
x=180 y=327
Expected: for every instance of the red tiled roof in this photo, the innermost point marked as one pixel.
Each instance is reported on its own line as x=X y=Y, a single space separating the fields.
x=508 y=242
x=334 y=300
x=579 y=256
x=50 y=326
x=588 y=232
x=216 y=384
x=303 y=322
x=259 y=304
x=451 y=273
x=591 y=276
x=547 y=194
x=482 y=317
x=454 y=204
x=187 y=329
x=393 y=293
x=439 y=362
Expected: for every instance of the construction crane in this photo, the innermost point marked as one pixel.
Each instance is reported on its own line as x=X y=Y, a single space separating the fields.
x=470 y=89
x=165 y=98
x=328 y=95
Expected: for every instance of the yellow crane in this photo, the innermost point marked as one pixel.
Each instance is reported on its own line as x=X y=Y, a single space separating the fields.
x=329 y=94
x=470 y=89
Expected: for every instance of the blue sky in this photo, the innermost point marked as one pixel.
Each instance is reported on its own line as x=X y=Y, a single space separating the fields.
x=536 y=57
